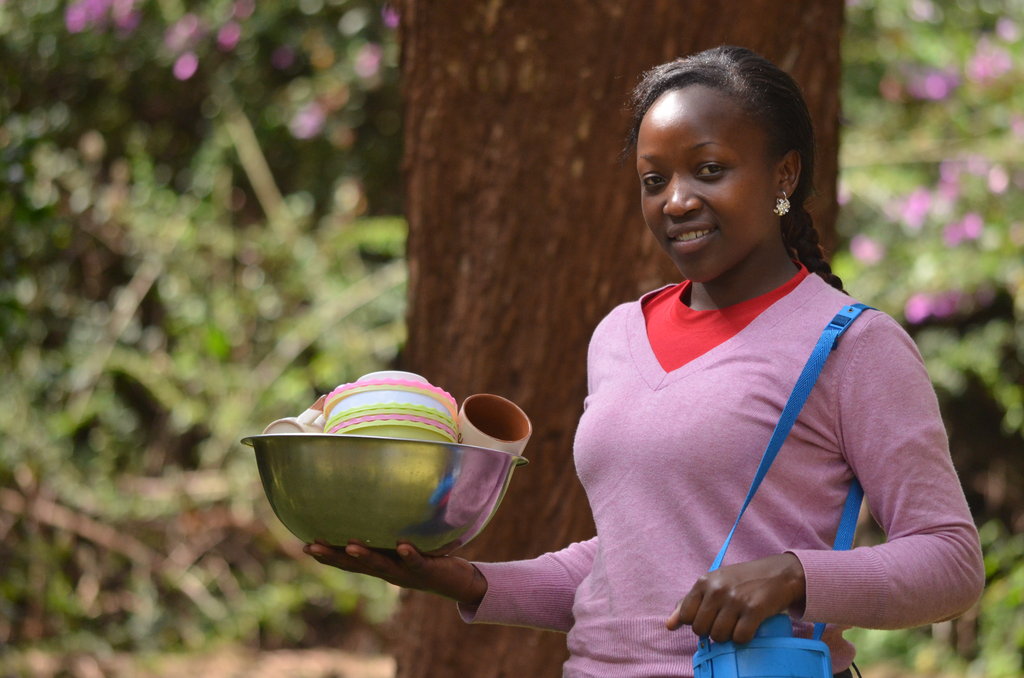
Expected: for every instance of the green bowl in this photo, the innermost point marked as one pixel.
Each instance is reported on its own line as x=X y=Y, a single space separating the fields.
x=381 y=491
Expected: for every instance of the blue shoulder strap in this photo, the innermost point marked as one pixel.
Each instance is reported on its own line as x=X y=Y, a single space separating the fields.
x=805 y=382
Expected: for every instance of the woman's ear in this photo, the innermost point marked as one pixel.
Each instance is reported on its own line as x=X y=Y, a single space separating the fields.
x=789 y=172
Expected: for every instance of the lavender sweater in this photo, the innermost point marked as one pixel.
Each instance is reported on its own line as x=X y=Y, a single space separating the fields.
x=666 y=460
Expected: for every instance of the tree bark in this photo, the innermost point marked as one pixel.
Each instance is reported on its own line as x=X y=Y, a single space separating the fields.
x=525 y=230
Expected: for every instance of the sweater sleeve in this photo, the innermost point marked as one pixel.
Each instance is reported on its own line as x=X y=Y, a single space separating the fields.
x=538 y=593
x=930 y=567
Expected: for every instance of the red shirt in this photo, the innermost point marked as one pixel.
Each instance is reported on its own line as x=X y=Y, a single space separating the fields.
x=679 y=334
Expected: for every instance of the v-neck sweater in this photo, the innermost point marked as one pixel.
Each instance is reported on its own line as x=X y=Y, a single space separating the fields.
x=678 y=333
x=666 y=459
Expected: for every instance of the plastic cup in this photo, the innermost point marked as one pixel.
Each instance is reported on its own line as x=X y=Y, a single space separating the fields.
x=488 y=420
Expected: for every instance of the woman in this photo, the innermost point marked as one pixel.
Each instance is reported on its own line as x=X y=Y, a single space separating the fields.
x=685 y=387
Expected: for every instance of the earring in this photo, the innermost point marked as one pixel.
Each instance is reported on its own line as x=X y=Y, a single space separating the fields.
x=781 y=205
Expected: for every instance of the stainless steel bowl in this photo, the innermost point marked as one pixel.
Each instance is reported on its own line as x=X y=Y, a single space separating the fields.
x=338 y=488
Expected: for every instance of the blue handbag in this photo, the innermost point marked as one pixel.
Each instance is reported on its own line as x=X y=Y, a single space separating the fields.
x=774 y=652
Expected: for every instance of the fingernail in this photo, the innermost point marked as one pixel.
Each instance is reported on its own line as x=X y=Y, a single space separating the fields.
x=352 y=551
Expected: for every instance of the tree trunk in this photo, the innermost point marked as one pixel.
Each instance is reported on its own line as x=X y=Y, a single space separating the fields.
x=525 y=230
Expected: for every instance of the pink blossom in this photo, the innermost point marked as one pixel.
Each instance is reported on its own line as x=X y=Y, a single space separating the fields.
x=998 y=180
x=922 y=10
x=968 y=228
x=85 y=14
x=308 y=121
x=186 y=65
x=184 y=34
x=243 y=9
x=75 y=18
x=972 y=225
x=125 y=16
x=921 y=306
x=229 y=35
x=1007 y=30
x=977 y=165
x=866 y=250
x=918 y=308
x=1017 y=125
x=390 y=16
x=843 y=194
x=932 y=85
x=916 y=208
x=988 y=62
x=945 y=304
x=367 y=62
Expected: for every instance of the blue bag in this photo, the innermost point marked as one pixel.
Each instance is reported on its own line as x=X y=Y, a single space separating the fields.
x=774 y=652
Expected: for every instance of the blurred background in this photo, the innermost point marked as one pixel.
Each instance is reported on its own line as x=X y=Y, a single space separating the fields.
x=201 y=214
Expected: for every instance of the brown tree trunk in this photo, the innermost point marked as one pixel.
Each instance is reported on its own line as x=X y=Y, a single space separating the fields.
x=525 y=230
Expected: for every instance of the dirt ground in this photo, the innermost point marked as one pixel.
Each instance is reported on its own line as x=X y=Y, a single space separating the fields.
x=226 y=663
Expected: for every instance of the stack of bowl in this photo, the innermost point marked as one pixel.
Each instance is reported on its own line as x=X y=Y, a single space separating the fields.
x=392 y=404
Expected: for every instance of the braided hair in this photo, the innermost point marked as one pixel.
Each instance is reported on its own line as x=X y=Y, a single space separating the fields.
x=771 y=97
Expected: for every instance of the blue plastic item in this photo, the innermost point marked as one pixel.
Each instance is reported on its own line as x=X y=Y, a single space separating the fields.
x=774 y=652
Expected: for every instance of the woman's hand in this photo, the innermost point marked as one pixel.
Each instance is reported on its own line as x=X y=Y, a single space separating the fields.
x=731 y=602
x=407 y=567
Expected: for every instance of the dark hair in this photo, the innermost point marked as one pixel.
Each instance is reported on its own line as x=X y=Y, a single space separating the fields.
x=772 y=98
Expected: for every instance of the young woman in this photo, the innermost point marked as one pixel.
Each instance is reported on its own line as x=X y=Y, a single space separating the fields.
x=685 y=387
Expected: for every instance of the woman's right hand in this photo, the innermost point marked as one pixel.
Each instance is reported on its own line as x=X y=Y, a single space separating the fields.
x=448 y=576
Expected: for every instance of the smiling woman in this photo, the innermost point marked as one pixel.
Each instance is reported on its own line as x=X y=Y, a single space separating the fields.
x=708 y=182
x=667 y=443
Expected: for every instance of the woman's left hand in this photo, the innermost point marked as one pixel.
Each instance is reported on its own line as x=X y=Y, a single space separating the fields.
x=731 y=602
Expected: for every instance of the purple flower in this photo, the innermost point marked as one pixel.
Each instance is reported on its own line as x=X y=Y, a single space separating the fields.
x=921 y=306
x=843 y=194
x=866 y=250
x=945 y=304
x=916 y=208
x=932 y=85
x=184 y=34
x=308 y=121
x=85 y=14
x=998 y=180
x=125 y=16
x=243 y=9
x=367 y=62
x=1017 y=125
x=988 y=62
x=390 y=16
x=229 y=35
x=977 y=165
x=918 y=308
x=186 y=65
x=972 y=225
x=922 y=10
x=1007 y=30
x=75 y=19
x=968 y=228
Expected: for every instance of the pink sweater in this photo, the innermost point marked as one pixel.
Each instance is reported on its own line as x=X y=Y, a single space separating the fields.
x=666 y=460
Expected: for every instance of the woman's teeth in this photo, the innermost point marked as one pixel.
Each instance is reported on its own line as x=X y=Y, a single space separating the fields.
x=691 y=235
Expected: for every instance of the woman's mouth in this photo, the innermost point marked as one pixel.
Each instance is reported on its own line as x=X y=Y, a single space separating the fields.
x=689 y=236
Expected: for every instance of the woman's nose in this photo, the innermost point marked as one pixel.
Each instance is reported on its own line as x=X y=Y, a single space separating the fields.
x=681 y=200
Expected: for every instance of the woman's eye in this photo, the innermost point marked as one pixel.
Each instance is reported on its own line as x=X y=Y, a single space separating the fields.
x=651 y=181
x=710 y=169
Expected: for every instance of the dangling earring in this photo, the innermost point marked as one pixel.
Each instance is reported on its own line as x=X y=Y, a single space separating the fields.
x=781 y=205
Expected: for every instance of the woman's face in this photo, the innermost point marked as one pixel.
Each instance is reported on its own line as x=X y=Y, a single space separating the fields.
x=708 y=186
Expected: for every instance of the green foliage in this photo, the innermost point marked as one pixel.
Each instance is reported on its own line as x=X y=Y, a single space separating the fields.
x=932 y=167
x=931 y=178
x=190 y=252
x=196 y=203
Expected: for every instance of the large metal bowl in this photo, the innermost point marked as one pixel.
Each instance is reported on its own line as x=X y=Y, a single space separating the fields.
x=337 y=488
